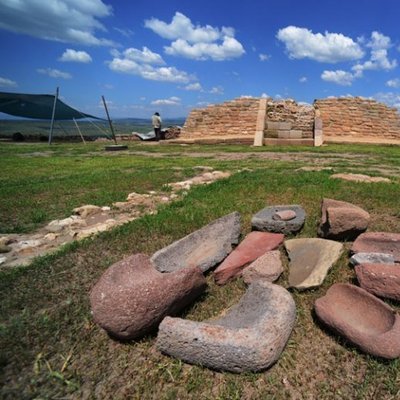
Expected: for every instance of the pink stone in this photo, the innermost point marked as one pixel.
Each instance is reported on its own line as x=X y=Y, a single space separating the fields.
x=268 y=267
x=131 y=298
x=362 y=319
x=284 y=215
x=378 y=242
x=380 y=279
x=253 y=246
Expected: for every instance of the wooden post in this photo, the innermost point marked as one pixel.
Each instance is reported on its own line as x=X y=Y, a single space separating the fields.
x=77 y=127
x=109 y=120
x=53 y=115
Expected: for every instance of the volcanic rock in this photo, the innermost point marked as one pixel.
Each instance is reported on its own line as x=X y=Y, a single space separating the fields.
x=280 y=219
x=381 y=280
x=253 y=246
x=250 y=336
x=341 y=220
x=378 y=242
x=267 y=267
x=362 y=319
x=310 y=260
x=131 y=298
x=203 y=248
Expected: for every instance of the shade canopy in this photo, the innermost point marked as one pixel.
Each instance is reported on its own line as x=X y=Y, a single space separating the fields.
x=38 y=106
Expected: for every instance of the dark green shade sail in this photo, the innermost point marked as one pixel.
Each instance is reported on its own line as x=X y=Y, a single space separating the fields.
x=38 y=106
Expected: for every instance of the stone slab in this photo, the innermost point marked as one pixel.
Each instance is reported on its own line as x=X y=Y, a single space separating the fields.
x=267 y=267
x=254 y=245
x=371 y=258
x=203 y=248
x=310 y=260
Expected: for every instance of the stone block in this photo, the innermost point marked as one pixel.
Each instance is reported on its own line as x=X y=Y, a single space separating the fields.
x=259 y=139
x=295 y=134
x=318 y=123
x=283 y=134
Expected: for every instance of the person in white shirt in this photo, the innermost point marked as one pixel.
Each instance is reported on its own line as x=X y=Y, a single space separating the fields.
x=156 y=122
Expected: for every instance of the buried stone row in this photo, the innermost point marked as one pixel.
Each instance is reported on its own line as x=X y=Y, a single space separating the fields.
x=141 y=293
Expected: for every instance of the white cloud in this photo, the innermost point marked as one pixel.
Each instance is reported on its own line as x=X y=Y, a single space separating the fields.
x=264 y=57
x=75 y=56
x=197 y=42
x=328 y=47
x=393 y=83
x=145 y=56
x=146 y=71
x=194 y=87
x=172 y=101
x=217 y=90
x=303 y=79
x=339 y=77
x=66 y=21
x=125 y=32
x=389 y=98
x=4 y=82
x=379 y=60
x=54 y=73
x=264 y=96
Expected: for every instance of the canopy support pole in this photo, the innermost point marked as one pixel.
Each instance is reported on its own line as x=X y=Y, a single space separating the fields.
x=53 y=115
x=77 y=127
x=109 y=120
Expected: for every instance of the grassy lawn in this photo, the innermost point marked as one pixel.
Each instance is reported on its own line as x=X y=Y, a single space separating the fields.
x=51 y=349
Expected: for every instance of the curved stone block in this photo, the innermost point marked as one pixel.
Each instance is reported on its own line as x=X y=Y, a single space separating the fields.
x=279 y=219
x=310 y=260
x=380 y=279
x=203 y=248
x=254 y=245
x=248 y=337
x=341 y=220
x=131 y=297
x=362 y=319
x=378 y=242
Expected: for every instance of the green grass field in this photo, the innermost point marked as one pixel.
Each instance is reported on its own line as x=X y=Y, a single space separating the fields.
x=51 y=349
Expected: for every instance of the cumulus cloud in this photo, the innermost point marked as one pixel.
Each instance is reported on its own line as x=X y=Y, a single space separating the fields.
x=145 y=63
x=303 y=79
x=196 y=42
x=194 y=87
x=328 y=47
x=393 y=83
x=7 y=83
x=54 y=73
x=379 y=60
x=339 y=77
x=172 y=101
x=71 y=55
x=68 y=21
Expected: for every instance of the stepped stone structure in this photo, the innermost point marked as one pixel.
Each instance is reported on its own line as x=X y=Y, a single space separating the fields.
x=264 y=121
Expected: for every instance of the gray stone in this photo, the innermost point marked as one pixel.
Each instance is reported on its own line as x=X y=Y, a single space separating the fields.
x=268 y=267
x=248 y=337
x=310 y=260
x=371 y=258
x=362 y=319
x=341 y=220
x=264 y=220
x=203 y=248
x=131 y=298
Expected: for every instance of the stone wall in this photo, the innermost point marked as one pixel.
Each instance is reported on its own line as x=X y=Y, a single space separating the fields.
x=232 y=118
x=287 y=119
x=357 y=119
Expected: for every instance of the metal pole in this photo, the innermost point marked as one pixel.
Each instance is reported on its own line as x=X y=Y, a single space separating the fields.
x=109 y=120
x=53 y=115
x=77 y=127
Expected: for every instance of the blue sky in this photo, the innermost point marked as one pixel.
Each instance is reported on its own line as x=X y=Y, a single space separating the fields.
x=171 y=56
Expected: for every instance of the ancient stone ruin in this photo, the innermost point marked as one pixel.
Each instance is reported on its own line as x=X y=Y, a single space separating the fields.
x=264 y=121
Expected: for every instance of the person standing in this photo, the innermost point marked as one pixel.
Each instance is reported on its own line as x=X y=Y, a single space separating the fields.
x=156 y=122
